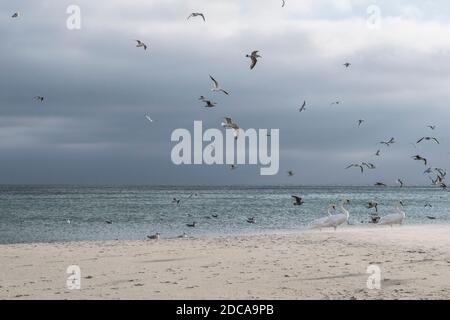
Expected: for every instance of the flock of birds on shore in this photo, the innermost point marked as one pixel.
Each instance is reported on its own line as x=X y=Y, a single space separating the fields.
x=330 y=220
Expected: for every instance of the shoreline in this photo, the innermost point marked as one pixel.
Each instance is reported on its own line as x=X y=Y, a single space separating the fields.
x=414 y=261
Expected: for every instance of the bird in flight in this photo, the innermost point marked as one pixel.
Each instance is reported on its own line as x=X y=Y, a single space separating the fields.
x=303 y=107
x=196 y=14
x=356 y=166
x=229 y=124
x=432 y=127
x=209 y=104
x=347 y=64
x=388 y=143
x=360 y=122
x=290 y=173
x=254 y=57
x=335 y=102
x=378 y=153
x=283 y=2
x=140 y=44
x=298 y=201
x=428 y=139
x=399 y=181
x=39 y=98
x=369 y=165
x=148 y=118
x=15 y=15
x=419 y=158
x=216 y=86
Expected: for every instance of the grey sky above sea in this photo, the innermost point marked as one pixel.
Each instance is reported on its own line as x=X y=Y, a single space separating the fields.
x=98 y=86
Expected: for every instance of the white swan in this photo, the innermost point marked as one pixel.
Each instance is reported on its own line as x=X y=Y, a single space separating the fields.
x=318 y=223
x=395 y=218
x=337 y=219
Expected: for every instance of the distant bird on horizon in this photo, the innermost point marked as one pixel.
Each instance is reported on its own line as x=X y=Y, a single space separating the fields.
x=196 y=14
x=399 y=181
x=254 y=57
x=380 y=184
x=39 y=98
x=154 y=236
x=419 y=158
x=140 y=44
x=428 y=139
x=372 y=204
x=290 y=173
x=360 y=166
x=388 y=143
x=303 y=107
x=216 y=86
x=298 y=201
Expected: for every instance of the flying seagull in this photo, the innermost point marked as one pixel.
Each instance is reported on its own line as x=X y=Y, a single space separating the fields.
x=229 y=124
x=209 y=104
x=39 y=98
x=428 y=139
x=108 y=221
x=347 y=64
x=141 y=44
x=419 y=158
x=15 y=15
x=378 y=153
x=233 y=166
x=148 y=118
x=360 y=122
x=283 y=3
x=290 y=173
x=254 y=57
x=432 y=127
x=298 y=201
x=356 y=165
x=399 y=181
x=335 y=102
x=388 y=143
x=369 y=165
x=216 y=86
x=303 y=107
x=196 y=14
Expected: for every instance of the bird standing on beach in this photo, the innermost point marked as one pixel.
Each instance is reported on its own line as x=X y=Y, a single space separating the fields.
x=400 y=182
x=320 y=223
x=196 y=14
x=254 y=58
x=338 y=219
x=395 y=218
x=148 y=118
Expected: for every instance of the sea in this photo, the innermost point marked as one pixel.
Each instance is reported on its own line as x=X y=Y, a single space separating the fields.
x=32 y=213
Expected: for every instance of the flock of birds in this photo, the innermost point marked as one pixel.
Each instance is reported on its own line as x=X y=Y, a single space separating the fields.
x=330 y=220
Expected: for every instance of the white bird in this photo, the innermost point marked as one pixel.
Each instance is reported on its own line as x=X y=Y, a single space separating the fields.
x=148 y=118
x=196 y=14
x=229 y=124
x=395 y=218
x=216 y=86
x=319 y=223
x=141 y=44
x=337 y=219
x=254 y=57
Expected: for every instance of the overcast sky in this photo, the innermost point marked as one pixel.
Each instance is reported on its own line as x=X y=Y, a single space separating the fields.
x=98 y=86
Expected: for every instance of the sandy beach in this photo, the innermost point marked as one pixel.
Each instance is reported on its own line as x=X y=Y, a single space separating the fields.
x=414 y=262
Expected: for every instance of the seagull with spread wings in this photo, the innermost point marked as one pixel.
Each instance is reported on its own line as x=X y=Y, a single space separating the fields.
x=428 y=139
x=254 y=57
x=140 y=44
x=229 y=124
x=196 y=14
x=216 y=86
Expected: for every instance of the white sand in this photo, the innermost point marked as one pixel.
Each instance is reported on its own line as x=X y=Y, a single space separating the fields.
x=415 y=263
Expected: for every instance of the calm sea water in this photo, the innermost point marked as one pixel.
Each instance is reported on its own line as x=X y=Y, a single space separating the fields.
x=40 y=213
